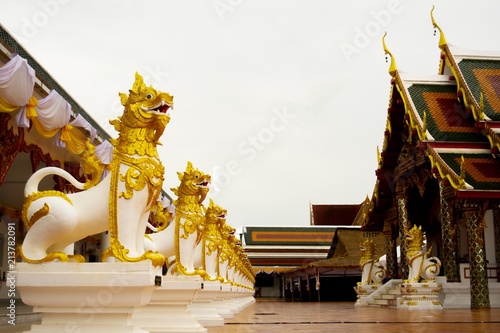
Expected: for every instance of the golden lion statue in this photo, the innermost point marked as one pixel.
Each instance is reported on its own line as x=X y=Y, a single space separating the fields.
x=372 y=271
x=210 y=247
x=120 y=203
x=228 y=254
x=420 y=265
x=179 y=240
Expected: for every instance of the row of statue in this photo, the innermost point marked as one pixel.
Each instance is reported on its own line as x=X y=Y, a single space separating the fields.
x=118 y=198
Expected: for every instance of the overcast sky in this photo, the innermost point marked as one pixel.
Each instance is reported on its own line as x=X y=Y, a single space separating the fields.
x=283 y=102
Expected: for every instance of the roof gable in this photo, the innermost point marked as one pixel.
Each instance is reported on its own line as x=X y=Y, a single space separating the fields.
x=334 y=214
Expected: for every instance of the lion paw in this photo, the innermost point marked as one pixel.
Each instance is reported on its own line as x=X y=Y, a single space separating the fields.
x=61 y=256
x=120 y=252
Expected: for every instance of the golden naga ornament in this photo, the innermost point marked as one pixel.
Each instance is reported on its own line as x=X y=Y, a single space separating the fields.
x=120 y=203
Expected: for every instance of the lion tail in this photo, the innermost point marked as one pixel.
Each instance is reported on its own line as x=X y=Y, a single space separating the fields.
x=36 y=178
x=436 y=261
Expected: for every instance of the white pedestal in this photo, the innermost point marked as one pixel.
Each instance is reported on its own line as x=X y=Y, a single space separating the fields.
x=86 y=297
x=366 y=289
x=420 y=296
x=231 y=296
x=201 y=306
x=363 y=291
x=167 y=311
x=245 y=297
x=220 y=303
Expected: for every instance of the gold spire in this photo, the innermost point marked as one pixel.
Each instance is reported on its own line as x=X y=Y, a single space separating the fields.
x=392 y=67
x=442 y=39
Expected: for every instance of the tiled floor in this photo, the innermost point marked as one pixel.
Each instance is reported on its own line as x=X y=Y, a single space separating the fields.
x=277 y=317
x=294 y=317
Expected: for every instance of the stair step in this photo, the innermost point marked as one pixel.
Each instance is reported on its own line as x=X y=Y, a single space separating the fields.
x=395 y=291
x=389 y=296
x=380 y=302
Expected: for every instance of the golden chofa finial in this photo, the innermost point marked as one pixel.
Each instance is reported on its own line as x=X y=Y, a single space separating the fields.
x=392 y=67
x=442 y=39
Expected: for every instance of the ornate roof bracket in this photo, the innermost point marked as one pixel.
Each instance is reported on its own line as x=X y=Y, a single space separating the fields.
x=462 y=174
x=480 y=111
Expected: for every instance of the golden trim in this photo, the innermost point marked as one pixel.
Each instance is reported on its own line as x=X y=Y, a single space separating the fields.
x=50 y=257
x=35 y=196
x=120 y=252
x=39 y=214
x=76 y=257
x=449 y=174
x=462 y=174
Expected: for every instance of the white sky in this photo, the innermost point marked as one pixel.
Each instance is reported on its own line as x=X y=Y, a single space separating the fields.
x=284 y=102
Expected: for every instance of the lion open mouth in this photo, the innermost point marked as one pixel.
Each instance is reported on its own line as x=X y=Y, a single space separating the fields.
x=162 y=107
x=203 y=184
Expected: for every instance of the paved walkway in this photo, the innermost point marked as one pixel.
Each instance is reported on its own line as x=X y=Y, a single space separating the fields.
x=296 y=317
x=277 y=316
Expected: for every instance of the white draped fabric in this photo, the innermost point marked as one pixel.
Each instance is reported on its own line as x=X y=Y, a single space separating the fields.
x=104 y=152
x=79 y=121
x=53 y=111
x=21 y=118
x=51 y=116
x=17 y=81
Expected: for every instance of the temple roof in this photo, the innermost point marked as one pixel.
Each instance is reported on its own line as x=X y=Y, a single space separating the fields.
x=289 y=236
x=448 y=124
x=446 y=118
x=334 y=214
x=345 y=253
x=278 y=249
x=483 y=76
x=477 y=73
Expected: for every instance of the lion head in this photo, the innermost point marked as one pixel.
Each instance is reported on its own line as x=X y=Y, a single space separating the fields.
x=227 y=233
x=143 y=120
x=415 y=238
x=367 y=249
x=193 y=188
x=215 y=214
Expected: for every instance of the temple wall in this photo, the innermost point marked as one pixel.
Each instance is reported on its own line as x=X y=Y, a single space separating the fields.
x=489 y=237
